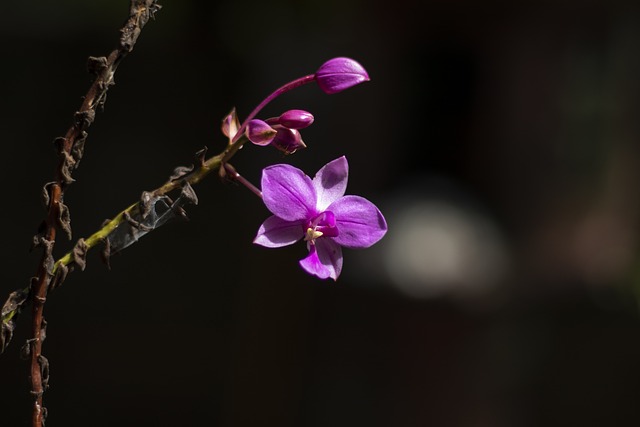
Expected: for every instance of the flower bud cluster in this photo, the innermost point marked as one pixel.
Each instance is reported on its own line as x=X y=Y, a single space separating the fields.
x=281 y=132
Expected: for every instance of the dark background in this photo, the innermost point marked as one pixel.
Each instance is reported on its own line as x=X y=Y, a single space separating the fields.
x=499 y=138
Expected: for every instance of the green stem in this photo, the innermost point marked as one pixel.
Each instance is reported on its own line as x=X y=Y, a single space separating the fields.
x=212 y=164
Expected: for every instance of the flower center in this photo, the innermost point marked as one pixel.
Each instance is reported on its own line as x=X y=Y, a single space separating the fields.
x=322 y=225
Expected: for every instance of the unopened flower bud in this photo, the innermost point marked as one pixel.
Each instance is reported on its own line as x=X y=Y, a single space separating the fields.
x=338 y=74
x=230 y=124
x=295 y=119
x=259 y=132
x=287 y=140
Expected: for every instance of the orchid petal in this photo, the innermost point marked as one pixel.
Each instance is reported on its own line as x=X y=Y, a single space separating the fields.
x=324 y=259
x=276 y=232
x=359 y=222
x=331 y=182
x=288 y=192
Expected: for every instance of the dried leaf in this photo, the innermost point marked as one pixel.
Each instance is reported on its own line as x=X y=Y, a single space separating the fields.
x=25 y=350
x=189 y=194
x=64 y=219
x=101 y=98
x=96 y=64
x=147 y=201
x=201 y=156
x=36 y=242
x=46 y=197
x=44 y=370
x=77 y=151
x=14 y=302
x=59 y=277
x=140 y=12
x=79 y=254
x=49 y=262
x=67 y=165
x=9 y=314
x=136 y=224
x=6 y=334
x=180 y=172
x=84 y=119
x=39 y=241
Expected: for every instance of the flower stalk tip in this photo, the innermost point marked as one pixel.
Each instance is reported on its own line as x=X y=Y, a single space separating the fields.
x=340 y=73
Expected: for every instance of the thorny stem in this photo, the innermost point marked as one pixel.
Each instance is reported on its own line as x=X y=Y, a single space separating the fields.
x=38 y=296
x=71 y=146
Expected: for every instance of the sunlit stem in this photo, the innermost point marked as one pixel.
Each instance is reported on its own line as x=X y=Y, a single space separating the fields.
x=212 y=164
x=98 y=236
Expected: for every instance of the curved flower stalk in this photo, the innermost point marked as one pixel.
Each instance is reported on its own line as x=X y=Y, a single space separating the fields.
x=317 y=211
x=333 y=76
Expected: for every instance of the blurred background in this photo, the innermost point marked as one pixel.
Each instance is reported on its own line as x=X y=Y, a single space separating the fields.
x=500 y=139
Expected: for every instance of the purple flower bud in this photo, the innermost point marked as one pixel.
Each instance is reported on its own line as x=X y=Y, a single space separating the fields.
x=295 y=119
x=230 y=124
x=259 y=132
x=338 y=74
x=287 y=140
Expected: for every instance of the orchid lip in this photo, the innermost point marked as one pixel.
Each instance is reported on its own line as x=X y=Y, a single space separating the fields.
x=323 y=225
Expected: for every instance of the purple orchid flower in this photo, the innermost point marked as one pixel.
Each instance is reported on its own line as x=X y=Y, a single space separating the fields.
x=317 y=211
